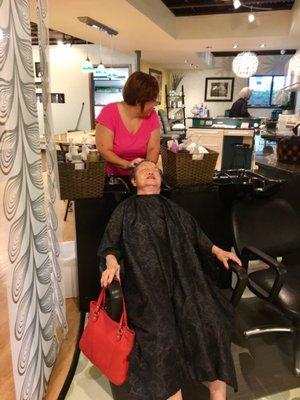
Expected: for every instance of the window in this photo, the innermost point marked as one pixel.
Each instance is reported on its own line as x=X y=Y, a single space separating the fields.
x=264 y=90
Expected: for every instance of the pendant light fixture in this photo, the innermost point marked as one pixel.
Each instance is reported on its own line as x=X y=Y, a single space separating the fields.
x=101 y=70
x=87 y=66
x=245 y=64
x=111 y=74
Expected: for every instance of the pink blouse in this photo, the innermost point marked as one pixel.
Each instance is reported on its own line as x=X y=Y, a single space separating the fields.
x=126 y=145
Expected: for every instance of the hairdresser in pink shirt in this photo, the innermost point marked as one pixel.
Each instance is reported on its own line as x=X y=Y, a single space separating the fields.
x=129 y=131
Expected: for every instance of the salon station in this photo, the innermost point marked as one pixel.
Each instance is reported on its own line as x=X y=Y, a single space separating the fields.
x=226 y=130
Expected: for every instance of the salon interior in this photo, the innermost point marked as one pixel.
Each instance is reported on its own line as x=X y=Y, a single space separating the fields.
x=61 y=62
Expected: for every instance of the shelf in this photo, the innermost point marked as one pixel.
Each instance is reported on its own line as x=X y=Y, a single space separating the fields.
x=174 y=99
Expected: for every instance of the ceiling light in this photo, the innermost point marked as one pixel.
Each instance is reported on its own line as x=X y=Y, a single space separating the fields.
x=237 y=4
x=100 y=70
x=251 y=18
x=262 y=45
x=245 y=64
x=87 y=66
x=235 y=46
x=98 y=25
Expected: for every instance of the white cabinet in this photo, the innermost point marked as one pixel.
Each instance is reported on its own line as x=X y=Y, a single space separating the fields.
x=212 y=139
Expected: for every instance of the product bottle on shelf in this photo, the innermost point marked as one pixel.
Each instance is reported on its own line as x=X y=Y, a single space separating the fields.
x=201 y=110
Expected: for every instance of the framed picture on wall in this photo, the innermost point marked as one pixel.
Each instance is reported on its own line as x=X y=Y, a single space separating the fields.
x=219 y=89
x=158 y=76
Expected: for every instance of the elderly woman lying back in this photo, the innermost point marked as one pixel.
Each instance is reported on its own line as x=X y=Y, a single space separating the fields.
x=183 y=323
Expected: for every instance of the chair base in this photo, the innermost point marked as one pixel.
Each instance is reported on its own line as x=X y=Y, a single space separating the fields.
x=270 y=329
x=266 y=329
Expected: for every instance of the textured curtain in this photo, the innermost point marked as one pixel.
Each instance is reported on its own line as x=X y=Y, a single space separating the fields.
x=29 y=248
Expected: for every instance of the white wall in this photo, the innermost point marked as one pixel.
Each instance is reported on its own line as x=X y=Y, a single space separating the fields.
x=194 y=89
x=194 y=83
x=67 y=78
x=298 y=103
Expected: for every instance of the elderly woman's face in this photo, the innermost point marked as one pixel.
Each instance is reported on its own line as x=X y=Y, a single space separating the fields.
x=147 y=176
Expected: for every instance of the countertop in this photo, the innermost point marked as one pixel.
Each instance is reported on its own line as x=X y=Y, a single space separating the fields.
x=223 y=127
x=78 y=138
x=270 y=161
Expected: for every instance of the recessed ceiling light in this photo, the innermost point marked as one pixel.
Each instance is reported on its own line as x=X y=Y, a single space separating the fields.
x=235 y=46
x=237 y=4
x=262 y=45
x=251 y=18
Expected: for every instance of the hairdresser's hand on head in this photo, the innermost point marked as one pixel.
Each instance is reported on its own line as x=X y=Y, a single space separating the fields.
x=134 y=162
x=112 y=271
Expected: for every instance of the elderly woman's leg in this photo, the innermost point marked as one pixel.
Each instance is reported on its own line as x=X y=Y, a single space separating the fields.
x=217 y=390
x=176 y=396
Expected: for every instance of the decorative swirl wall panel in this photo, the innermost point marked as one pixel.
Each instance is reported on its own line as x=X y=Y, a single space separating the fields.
x=28 y=219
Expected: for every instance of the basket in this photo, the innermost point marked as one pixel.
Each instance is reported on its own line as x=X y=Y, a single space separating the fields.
x=81 y=184
x=180 y=169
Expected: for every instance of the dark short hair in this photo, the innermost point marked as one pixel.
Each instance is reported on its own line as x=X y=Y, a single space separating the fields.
x=133 y=172
x=140 y=88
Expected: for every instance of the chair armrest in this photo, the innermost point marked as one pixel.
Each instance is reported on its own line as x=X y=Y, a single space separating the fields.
x=242 y=280
x=278 y=267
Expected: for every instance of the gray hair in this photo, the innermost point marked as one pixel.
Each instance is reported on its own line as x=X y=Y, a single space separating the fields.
x=245 y=93
x=134 y=170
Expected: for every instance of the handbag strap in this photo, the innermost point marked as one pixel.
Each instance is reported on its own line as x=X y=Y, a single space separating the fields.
x=101 y=303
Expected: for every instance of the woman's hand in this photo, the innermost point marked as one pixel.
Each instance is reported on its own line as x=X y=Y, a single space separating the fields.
x=134 y=162
x=112 y=271
x=224 y=256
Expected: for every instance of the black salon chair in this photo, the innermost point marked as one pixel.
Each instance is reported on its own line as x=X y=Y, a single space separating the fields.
x=115 y=305
x=264 y=230
x=166 y=129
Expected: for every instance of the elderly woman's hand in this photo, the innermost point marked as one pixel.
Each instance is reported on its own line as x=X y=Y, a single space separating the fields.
x=112 y=271
x=224 y=256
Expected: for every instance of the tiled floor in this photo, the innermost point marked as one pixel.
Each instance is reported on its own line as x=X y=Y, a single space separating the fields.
x=263 y=364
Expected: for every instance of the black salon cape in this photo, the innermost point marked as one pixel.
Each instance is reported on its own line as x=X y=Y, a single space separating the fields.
x=183 y=323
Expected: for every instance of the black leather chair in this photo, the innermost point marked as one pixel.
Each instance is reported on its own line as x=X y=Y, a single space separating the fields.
x=115 y=305
x=166 y=129
x=264 y=230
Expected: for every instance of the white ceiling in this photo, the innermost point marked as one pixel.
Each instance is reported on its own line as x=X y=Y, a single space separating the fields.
x=148 y=25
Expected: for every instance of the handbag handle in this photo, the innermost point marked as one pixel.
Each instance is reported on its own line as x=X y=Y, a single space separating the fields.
x=101 y=302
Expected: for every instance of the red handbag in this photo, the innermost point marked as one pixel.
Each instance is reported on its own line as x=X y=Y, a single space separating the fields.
x=106 y=343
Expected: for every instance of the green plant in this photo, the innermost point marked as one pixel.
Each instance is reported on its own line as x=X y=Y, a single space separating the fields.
x=176 y=78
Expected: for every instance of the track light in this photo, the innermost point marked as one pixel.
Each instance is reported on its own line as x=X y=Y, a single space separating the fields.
x=251 y=18
x=237 y=4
